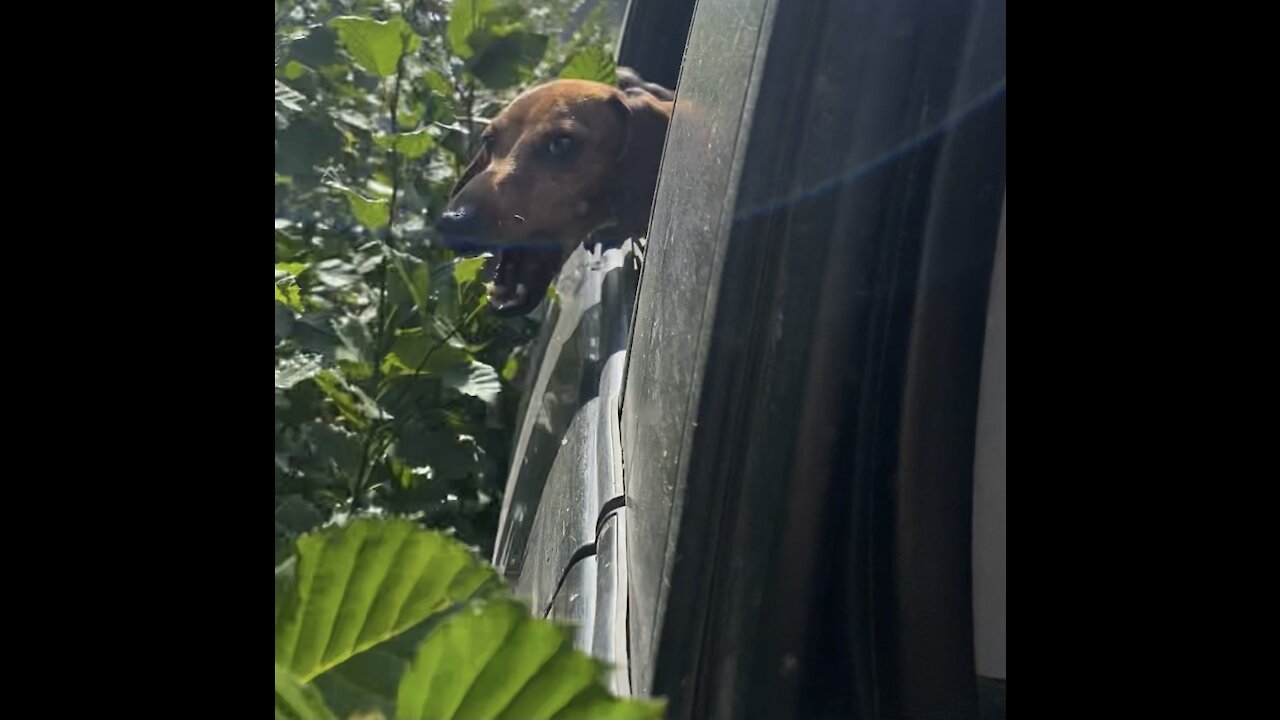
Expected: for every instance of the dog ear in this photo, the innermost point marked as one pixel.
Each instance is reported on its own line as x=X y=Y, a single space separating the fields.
x=477 y=165
x=629 y=79
x=643 y=132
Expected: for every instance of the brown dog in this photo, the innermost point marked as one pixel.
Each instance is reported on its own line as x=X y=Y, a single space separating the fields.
x=562 y=162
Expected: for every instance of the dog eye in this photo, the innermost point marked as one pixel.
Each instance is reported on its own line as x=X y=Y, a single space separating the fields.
x=561 y=147
x=487 y=141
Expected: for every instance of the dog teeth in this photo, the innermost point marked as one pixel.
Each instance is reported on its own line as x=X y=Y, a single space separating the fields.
x=501 y=296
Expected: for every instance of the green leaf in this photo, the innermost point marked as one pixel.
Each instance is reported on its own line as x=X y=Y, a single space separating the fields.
x=591 y=63
x=449 y=455
x=354 y=119
x=287 y=290
x=296 y=515
x=306 y=144
x=293 y=370
x=351 y=401
x=284 y=322
x=287 y=245
x=298 y=701
x=414 y=349
x=507 y=59
x=511 y=367
x=376 y=46
x=412 y=111
x=294 y=70
x=371 y=213
x=367 y=582
x=354 y=337
x=288 y=97
x=439 y=99
x=411 y=145
x=491 y=660
x=335 y=273
x=438 y=83
x=465 y=18
x=335 y=456
x=468 y=270
x=439 y=106
x=286 y=576
x=316 y=49
x=412 y=282
x=477 y=380
x=289 y=295
x=366 y=683
x=355 y=370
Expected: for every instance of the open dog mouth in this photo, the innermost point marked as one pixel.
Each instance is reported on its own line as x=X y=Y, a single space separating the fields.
x=520 y=278
x=520 y=270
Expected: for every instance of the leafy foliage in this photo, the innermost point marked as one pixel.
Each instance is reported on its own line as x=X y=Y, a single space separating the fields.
x=591 y=63
x=491 y=660
x=296 y=701
x=382 y=617
x=395 y=388
x=360 y=585
x=389 y=400
x=376 y=46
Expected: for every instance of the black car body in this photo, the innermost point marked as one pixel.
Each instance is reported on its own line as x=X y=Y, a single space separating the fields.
x=761 y=459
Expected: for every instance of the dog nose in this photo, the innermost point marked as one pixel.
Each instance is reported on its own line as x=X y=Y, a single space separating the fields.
x=459 y=221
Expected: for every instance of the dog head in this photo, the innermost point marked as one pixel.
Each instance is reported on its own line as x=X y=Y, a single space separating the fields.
x=563 y=161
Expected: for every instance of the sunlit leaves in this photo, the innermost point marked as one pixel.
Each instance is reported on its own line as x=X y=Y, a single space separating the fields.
x=417 y=352
x=386 y=355
x=465 y=17
x=359 y=585
x=499 y=49
x=296 y=701
x=411 y=144
x=384 y=617
x=475 y=379
x=375 y=45
x=288 y=97
x=287 y=290
x=467 y=270
x=351 y=401
x=591 y=63
x=292 y=370
x=373 y=213
x=506 y=57
x=493 y=660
